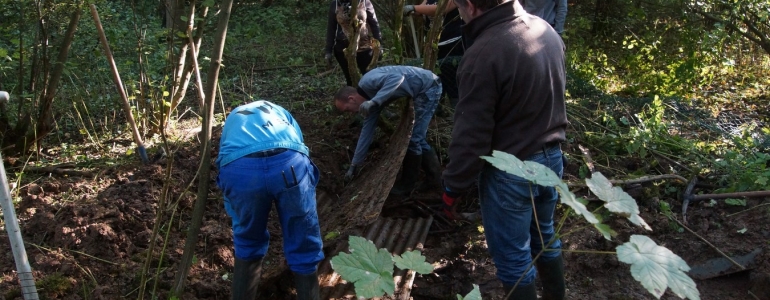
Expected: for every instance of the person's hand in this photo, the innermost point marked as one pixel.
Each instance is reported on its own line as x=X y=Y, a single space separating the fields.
x=328 y=59
x=350 y=173
x=366 y=107
x=408 y=9
x=450 y=201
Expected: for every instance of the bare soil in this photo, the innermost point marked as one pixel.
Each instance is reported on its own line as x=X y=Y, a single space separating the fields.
x=87 y=237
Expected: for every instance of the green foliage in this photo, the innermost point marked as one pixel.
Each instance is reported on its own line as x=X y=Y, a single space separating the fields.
x=735 y=202
x=475 y=294
x=371 y=270
x=542 y=175
x=616 y=200
x=413 y=260
x=657 y=268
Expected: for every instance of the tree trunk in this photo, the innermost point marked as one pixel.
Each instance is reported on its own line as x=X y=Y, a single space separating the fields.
x=430 y=48
x=205 y=153
x=184 y=83
x=352 y=49
x=45 y=112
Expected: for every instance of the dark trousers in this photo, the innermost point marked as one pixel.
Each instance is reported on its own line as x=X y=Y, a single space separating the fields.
x=363 y=58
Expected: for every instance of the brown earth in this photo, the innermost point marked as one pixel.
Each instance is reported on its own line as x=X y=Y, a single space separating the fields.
x=87 y=234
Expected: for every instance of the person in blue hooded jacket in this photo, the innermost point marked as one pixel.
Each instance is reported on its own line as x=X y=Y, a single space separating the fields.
x=263 y=160
x=380 y=87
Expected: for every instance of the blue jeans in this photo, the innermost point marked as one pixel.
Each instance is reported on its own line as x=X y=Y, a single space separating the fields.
x=250 y=187
x=512 y=234
x=424 y=107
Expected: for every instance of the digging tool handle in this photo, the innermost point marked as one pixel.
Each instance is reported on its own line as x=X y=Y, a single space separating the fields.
x=27 y=281
x=731 y=195
x=414 y=36
x=119 y=84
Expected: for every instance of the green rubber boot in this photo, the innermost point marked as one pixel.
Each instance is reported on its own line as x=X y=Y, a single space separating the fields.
x=307 y=286
x=432 y=168
x=246 y=275
x=410 y=173
x=522 y=292
x=552 y=277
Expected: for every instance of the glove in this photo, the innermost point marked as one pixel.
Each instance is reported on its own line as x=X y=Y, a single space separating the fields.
x=450 y=205
x=350 y=173
x=328 y=59
x=408 y=9
x=366 y=107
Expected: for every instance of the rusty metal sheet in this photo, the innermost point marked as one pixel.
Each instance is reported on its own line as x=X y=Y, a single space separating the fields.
x=396 y=235
x=722 y=266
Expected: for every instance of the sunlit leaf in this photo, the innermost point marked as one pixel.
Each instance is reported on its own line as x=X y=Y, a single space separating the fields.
x=532 y=171
x=541 y=175
x=475 y=294
x=606 y=231
x=735 y=202
x=370 y=270
x=657 y=268
x=413 y=260
x=616 y=200
x=569 y=199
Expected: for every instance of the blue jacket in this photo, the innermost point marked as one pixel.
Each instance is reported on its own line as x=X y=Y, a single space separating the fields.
x=258 y=126
x=383 y=85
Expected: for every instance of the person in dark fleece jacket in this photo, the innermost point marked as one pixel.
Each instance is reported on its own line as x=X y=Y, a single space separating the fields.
x=337 y=29
x=512 y=82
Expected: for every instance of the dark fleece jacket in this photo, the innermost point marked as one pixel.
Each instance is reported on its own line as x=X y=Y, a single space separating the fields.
x=512 y=85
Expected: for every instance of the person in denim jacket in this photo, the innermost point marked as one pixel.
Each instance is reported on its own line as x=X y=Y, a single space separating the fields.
x=263 y=160
x=380 y=87
x=512 y=99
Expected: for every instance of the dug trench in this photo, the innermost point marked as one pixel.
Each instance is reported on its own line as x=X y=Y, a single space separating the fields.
x=87 y=237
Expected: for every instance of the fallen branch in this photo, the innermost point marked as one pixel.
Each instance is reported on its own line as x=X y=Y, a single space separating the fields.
x=635 y=180
x=58 y=171
x=748 y=209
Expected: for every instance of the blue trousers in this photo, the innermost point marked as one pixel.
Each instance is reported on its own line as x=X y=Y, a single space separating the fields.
x=513 y=237
x=250 y=187
x=424 y=107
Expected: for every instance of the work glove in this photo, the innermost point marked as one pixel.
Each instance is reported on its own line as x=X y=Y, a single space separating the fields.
x=350 y=173
x=328 y=59
x=366 y=107
x=450 y=201
x=408 y=9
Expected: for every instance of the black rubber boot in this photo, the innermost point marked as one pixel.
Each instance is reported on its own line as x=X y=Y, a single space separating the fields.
x=410 y=173
x=246 y=274
x=552 y=277
x=307 y=286
x=432 y=168
x=522 y=292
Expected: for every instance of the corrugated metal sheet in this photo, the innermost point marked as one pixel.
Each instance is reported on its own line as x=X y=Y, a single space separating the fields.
x=396 y=235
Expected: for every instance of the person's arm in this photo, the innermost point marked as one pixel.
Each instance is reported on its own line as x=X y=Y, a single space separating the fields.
x=371 y=20
x=474 y=126
x=430 y=10
x=561 y=16
x=366 y=137
x=389 y=85
x=331 y=27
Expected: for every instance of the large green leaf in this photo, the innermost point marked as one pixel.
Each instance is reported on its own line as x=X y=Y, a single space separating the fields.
x=413 y=260
x=532 y=171
x=370 y=270
x=657 y=268
x=616 y=200
x=569 y=199
x=475 y=294
x=540 y=175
